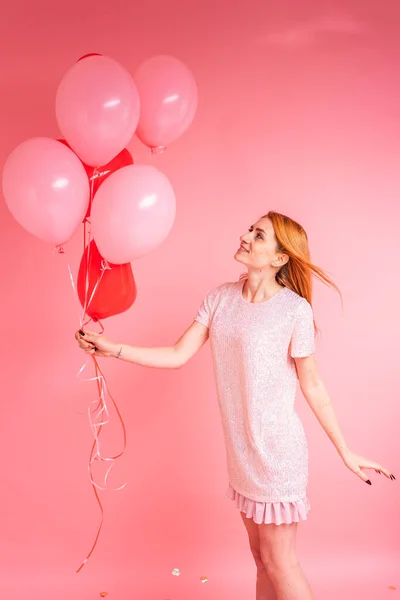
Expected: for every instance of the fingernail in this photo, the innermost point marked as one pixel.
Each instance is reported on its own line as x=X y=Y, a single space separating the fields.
x=368 y=481
x=392 y=477
x=81 y=332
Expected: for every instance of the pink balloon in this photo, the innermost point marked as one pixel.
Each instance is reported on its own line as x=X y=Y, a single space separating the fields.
x=133 y=213
x=46 y=189
x=97 y=109
x=168 y=100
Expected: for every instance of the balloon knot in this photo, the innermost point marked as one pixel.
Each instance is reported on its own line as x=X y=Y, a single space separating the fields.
x=158 y=149
x=105 y=265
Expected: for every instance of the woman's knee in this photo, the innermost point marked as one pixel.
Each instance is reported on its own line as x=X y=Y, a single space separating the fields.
x=278 y=550
x=255 y=550
x=278 y=563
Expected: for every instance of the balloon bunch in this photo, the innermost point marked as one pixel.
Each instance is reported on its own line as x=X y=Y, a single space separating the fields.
x=51 y=186
x=127 y=210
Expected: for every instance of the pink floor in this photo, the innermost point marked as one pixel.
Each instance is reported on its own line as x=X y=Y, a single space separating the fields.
x=364 y=579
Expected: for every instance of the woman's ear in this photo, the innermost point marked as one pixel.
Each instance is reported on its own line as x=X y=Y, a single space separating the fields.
x=282 y=260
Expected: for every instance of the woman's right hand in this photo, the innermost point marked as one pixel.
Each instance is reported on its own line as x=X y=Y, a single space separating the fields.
x=94 y=343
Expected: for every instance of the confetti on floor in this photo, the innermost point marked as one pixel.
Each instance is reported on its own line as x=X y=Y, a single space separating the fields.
x=176 y=572
x=203 y=579
x=392 y=587
x=103 y=594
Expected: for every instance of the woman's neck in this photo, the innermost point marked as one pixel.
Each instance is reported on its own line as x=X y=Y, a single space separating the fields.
x=260 y=287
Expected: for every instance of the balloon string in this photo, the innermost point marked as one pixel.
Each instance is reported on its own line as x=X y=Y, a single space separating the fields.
x=87 y=250
x=86 y=308
x=95 y=453
x=99 y=416
x=87 y=239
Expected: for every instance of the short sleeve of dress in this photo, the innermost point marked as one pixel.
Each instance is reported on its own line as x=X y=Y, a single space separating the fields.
x=207 y=308
x=303 y=337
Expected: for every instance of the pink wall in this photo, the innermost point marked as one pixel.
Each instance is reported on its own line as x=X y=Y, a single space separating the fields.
x=298 y=112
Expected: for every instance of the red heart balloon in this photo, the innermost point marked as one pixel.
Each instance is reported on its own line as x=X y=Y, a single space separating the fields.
x=110 y=291
x=123 y=159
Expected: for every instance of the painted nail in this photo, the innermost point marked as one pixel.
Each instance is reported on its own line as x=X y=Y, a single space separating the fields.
x=368 y=481
x=392 y=477
x=81 y=332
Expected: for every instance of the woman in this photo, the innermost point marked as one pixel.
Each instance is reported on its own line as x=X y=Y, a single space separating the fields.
x=262 y=334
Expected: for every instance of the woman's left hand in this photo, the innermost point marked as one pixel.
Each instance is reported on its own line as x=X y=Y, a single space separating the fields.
x=356 y=463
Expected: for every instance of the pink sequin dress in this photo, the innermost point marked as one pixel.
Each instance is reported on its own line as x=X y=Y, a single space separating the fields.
x=253 y=346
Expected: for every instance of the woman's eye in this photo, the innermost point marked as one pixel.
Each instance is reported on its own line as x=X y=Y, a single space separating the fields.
x=259 y=236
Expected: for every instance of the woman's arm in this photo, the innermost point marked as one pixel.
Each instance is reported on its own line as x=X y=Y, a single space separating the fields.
x=319 y=401
x=171 y=357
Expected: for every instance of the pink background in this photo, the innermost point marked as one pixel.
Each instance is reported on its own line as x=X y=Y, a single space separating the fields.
x=298 y=112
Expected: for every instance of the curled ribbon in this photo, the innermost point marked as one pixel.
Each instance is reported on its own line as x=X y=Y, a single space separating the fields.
x=99 y=416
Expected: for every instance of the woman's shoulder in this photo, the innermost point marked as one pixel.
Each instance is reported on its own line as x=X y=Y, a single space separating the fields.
x=223 y=289
x=296 y=301
x=228 y=286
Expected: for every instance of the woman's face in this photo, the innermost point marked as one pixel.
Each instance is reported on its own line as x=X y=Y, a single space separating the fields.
x=258 y=247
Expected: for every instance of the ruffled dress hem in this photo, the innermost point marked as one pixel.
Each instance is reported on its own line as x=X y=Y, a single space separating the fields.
x=270 y=512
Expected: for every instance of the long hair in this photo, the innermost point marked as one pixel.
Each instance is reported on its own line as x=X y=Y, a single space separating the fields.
x=297 y=273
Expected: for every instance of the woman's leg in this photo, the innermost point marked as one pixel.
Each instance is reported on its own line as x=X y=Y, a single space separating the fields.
x=279 y=557
x=264 y=587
